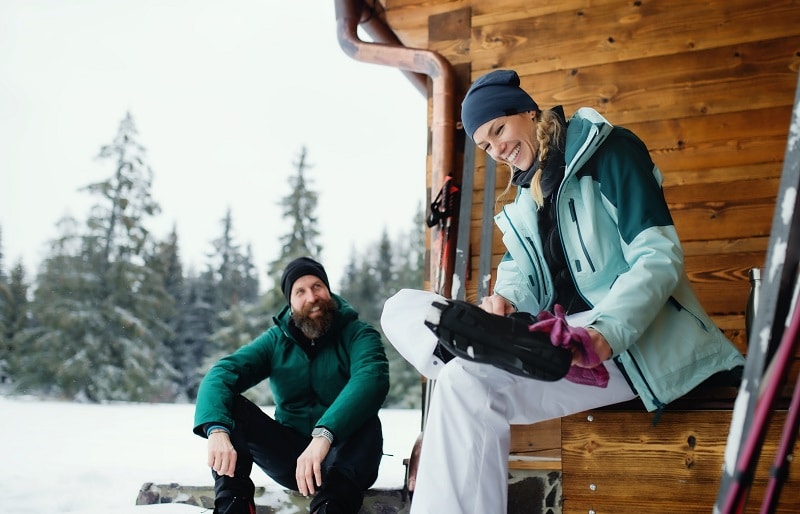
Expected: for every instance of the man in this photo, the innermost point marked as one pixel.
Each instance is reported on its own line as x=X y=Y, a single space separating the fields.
x=329 y=376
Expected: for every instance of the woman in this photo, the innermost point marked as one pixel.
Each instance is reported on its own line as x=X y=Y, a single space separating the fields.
x=590 y=231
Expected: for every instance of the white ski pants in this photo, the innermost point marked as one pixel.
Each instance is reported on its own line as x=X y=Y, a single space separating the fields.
x=463 y=465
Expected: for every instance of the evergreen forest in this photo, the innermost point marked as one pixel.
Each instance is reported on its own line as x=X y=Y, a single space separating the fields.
x=112 y=315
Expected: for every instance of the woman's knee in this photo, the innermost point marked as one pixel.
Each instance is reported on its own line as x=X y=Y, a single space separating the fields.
x=464 y=381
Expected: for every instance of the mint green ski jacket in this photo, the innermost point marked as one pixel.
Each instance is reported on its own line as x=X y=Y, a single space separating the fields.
x=625 y=258
x=342 y=387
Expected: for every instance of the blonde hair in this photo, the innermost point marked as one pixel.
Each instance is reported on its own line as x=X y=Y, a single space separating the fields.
x=549 y=130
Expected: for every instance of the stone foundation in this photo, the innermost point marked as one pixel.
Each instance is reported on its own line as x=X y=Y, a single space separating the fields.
x=529 y=492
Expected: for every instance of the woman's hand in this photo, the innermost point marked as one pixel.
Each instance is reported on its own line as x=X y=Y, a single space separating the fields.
x=601 y=348
x=496 y=304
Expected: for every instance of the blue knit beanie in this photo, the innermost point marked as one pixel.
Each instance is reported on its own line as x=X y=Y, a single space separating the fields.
x=301 y=267
x=493 y=95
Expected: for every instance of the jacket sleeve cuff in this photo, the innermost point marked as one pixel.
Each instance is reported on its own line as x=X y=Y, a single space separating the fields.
x=211 y=426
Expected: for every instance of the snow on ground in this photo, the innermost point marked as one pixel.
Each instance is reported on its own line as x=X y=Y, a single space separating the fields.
x=62 y=457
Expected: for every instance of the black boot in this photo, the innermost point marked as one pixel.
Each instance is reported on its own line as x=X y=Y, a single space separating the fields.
x=324 y=509
x=338 y=495
x=229 y=504
x=505 y=342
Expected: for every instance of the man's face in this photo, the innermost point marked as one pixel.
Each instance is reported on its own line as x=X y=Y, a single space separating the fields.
x=312 y=306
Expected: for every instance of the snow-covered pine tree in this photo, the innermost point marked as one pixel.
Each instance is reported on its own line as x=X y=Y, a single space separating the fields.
x=299 y=210
x=100 y=309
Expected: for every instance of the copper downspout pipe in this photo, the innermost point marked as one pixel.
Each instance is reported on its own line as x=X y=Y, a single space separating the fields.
x=381 y=33
x=419 y=61
x=391 y=52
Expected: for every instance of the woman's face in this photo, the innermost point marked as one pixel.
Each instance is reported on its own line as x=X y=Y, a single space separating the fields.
x=509 y=139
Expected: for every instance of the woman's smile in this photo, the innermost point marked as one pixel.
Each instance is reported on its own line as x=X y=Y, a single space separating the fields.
x=512 y=156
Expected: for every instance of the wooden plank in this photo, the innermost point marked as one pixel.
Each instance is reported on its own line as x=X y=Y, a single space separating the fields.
x=716 y=246
x=539 y=465
x=721 y=280
x=409 y=19
x=727 y=220
x=622 y=31
x=538 y=439
x=453 y=24
x=676 y=86
x=731 y=190
x=740 y=171
x=670 y=132
x=618 y=462
x=715 y=141
x=536 y=446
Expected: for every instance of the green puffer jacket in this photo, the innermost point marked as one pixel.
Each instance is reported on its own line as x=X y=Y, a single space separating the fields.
x=342 y=387
x=625 y=258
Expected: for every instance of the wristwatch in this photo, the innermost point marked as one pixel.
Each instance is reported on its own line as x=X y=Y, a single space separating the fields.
x=322 y=432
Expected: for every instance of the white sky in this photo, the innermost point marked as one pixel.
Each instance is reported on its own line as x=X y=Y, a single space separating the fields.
x=224 y=95
x=63 y=457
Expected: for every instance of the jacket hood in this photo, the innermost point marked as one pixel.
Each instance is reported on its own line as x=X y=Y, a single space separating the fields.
x=586 y=132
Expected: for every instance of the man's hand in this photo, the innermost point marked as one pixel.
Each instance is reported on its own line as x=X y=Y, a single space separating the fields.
x=309 y=465
x=221 y=455
x=496 y=304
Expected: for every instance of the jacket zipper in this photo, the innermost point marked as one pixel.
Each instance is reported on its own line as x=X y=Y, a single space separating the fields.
x=573 y=214
x=675 y=303
x=543 y=283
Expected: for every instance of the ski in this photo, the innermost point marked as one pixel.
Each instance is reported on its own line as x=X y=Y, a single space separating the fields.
x=461 y=270
x=779 y=472
x=487 y=228
x=769 y=324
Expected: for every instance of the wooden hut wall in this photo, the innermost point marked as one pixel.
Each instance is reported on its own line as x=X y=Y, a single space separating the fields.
x=709 y=86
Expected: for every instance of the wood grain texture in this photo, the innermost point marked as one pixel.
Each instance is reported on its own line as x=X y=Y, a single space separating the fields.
x=619 y=462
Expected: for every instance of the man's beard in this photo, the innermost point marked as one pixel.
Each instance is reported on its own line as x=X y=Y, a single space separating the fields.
x=315 y=328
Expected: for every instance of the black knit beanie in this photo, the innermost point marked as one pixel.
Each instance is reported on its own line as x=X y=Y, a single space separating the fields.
x=301 y=267
x=493 y=95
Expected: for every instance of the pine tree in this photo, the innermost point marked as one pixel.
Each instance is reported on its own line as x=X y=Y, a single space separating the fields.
x=196 y=323
x=5 y=301
x=5 y=313
x=100 y=309
x=180 y=347
x=410 y=253
x=15 y=321
x=235 y=273
x=385 y=268
x=244 y=321
x=370 y=279
x=240 y=315
x=299 y=209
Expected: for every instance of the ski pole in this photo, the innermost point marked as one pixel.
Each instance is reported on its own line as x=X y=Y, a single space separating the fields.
x=748 y=458
x=779 y=472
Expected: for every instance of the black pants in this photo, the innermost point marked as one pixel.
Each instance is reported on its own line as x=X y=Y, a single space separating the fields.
x=348 y=470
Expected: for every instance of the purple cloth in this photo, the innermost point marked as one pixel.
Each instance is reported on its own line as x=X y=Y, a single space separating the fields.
x=576 y=339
